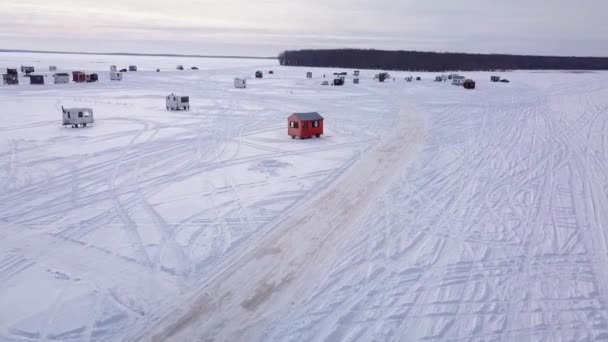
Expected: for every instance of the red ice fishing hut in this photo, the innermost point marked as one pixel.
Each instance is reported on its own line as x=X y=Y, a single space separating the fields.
x=79 y=76
x=305 y=125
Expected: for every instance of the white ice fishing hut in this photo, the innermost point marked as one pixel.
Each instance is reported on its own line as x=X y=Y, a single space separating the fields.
x=175 y=102
x=77 y=116
x=240 y=83
x=61 y=77
x=115 y=76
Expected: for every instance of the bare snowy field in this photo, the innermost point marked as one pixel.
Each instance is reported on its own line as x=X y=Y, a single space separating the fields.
x=426 y=212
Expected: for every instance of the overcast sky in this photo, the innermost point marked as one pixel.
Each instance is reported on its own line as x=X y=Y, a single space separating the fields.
x=266 y=27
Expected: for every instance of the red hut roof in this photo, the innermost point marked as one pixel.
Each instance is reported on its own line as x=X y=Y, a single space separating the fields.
x=308 y=116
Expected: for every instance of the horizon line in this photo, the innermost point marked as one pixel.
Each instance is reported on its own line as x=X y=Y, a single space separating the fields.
x=133 y=54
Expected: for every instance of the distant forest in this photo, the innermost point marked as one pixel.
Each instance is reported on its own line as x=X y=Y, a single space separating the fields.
x=434 y=61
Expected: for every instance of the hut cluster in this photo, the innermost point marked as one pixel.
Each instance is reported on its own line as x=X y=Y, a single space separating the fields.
x=11 y=77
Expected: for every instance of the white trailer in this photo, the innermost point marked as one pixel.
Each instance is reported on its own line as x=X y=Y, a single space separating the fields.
x=458 y=80
x=61 y=77
x=175 y=102
x=77 y=117
x=115 y=76
x=240 y=83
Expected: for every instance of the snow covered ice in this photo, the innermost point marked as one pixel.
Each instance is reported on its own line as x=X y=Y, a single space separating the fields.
x=425 y=212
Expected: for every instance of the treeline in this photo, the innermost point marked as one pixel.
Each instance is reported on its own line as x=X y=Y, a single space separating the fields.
x=434 y=61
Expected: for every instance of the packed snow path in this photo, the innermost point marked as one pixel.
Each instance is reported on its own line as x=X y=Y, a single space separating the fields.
x=496 y=232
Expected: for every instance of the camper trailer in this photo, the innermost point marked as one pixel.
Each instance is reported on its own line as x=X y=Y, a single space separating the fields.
x=77 y=117
x=132 y=67
x=458 y=80
x=259 y=74
x=240 y=83
x=61 y=77
x=175 y=102
x=36 y=79
x=115 y=76
x=27 y=69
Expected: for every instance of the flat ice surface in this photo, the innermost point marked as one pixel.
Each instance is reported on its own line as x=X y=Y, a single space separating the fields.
x=487 y=222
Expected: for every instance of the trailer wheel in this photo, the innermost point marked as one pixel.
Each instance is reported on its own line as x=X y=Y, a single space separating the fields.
x=318 y=135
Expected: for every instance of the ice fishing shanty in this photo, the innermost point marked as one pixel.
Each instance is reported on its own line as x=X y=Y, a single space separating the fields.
x=259 y=74
x=175 y=102
x=240 y=83
x=61 y=77
x=11 y=77
x=468 y=84
x=79 y=77
x=115 y=76
x=36 y=79
x=305 y=125
x=77 y=116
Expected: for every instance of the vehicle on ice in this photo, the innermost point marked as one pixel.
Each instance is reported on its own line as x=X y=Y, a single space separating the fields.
x=259 y=74
x=175 y=102
x=179 y=67
x=27 y=69
x=77 y=117
x=504 y=81
x=305 y=125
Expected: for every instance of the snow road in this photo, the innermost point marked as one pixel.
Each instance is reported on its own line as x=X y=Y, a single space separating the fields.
x=426 y=212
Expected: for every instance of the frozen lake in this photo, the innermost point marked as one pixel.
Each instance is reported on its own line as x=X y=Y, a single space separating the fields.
x=425 y=212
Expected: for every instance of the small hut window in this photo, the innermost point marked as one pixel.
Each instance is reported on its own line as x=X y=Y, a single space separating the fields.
x=315 y=124
x=79 y=114
x=69 y=117
x=294 y=124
